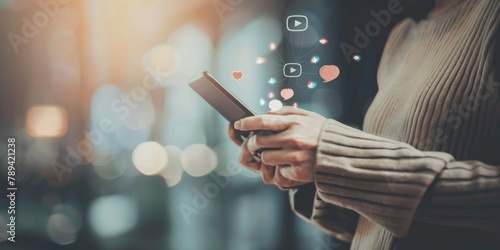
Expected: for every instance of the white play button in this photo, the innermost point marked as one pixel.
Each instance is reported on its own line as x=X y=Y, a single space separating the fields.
x=292 y=70
x=296 y=23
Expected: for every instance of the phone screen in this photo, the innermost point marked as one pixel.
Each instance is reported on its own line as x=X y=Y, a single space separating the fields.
x=220 y=98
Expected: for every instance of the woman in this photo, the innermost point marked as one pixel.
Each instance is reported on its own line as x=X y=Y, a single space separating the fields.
x=425 y=170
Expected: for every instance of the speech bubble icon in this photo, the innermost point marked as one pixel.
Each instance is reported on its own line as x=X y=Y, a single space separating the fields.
x=275 y=105
x=287 y=93
x=329 y=73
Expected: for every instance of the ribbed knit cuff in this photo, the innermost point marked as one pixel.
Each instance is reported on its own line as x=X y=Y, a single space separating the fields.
x=337 y=221
x=381 y=179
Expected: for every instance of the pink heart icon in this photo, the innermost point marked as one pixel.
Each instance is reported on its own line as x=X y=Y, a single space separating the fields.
x=237 y=75
x=287 y=93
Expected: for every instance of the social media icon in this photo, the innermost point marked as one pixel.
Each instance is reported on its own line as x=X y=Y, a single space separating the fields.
x=237 y=75
x=297 y=23
x=292 y=70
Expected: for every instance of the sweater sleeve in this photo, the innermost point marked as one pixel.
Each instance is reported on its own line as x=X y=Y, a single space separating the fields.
x=337 y=221
x=386 y=181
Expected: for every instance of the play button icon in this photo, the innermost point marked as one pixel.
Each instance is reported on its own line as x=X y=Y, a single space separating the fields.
x=292 y=70
x=296 y=23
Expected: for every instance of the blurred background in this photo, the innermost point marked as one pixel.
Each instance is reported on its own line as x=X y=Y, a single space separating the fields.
x=115 y=151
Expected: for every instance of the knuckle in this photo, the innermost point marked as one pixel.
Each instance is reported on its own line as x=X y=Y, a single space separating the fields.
x=282 y=118
x=301 y=142
x=262 y=122
x=294 y=120
x=304 y=174
x=296 y=141
x=297 y=158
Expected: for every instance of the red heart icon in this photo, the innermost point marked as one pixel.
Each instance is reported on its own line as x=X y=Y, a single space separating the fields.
x=237 y=75
x=287 y=93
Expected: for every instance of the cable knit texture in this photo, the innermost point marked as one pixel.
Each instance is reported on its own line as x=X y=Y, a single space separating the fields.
x=425 y=171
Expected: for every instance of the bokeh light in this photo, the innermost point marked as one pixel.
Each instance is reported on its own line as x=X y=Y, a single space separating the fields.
x=172 y=173
x=112 y=215
x=198 y=160
x=163 y=60
x=68 y=210
x=194 y=49
x=112 y=169
x=262 y=102
x=61 y=229
x=106 y=113
x=130 y=138
x=46 y=121
x=141 y=114
x=100 y=158
x=149 y=158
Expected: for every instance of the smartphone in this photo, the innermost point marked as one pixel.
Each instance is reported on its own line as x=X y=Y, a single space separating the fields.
x=220 y=98
x=225 y=102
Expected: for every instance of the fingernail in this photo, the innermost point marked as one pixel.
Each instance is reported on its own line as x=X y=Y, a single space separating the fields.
x=284 y=172
x=237 y=125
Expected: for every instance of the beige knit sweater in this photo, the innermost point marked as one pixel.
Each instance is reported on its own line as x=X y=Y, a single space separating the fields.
x=425 y=172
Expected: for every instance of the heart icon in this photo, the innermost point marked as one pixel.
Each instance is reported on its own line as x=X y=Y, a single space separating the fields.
x=237 y=75
x=287 y=93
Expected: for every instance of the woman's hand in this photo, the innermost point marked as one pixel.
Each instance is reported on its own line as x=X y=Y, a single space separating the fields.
x=271 y=173
x=293 y=146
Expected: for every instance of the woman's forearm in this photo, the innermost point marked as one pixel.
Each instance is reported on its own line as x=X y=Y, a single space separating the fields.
x=386 y=181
